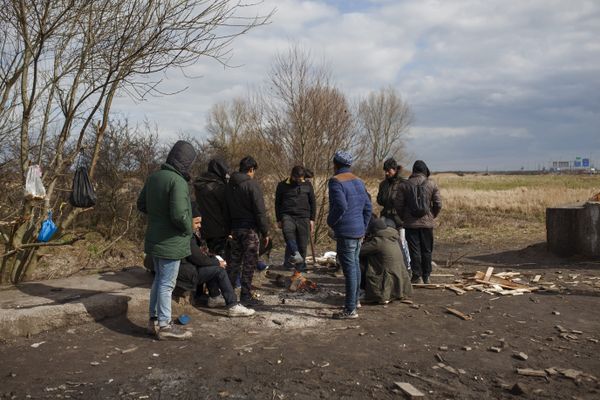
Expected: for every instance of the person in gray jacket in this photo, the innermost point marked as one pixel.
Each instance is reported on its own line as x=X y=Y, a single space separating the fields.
x=418 y=203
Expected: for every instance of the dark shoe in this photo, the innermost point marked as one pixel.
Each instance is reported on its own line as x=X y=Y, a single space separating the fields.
x=152 y=326
x=415 y=279
x=214 y=302
x=172 y=332
x=345 y=315
x=251 y=301
x=425 y=279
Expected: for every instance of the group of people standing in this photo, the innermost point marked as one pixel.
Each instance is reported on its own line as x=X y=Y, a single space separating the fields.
x=215 y=240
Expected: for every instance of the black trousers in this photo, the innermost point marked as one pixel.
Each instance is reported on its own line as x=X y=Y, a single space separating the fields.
x=420 y=247
x=296 y=233
x=216 y=279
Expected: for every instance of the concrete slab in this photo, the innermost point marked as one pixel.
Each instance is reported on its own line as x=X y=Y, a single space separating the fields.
x=574 y=229
x=34 y=307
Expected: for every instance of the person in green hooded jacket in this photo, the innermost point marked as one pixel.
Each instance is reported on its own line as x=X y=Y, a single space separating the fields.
x=165 y=199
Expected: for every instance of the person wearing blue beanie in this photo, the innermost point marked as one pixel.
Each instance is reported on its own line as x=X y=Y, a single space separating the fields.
x=349 y=215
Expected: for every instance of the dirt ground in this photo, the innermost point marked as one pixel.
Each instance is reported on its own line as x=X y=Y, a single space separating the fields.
x=292 y=349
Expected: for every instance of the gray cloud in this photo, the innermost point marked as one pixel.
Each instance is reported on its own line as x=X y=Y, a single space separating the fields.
x=498 y=84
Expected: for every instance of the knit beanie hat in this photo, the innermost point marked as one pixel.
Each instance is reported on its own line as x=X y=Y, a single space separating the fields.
x=343 y=158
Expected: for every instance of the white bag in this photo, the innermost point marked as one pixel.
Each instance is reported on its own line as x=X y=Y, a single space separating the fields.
x=34 y=188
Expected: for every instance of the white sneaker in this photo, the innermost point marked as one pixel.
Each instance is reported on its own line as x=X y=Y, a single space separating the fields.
x=214 y=302
x=240 y=311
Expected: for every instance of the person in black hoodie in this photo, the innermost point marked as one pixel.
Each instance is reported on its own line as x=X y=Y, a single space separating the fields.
x=295 y=210
x=210 y=197
x=203 y=267
x=246 y=218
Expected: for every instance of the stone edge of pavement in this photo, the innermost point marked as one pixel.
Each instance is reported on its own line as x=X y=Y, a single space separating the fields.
x=20 y=322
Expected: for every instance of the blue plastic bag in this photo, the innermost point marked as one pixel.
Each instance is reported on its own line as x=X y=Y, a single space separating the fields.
x=48 y=229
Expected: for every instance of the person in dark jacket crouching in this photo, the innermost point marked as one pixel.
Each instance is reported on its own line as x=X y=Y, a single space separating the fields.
x=210 y=197
x=349 y=215
x=201 y=267
x=246 y=217
x=295 y=210
x=386 y=279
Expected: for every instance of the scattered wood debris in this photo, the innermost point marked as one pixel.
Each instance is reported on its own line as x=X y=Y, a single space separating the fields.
x=459 y=314
x=411 y=391
x=521 y=356
x=531 y=372
x=503 y=283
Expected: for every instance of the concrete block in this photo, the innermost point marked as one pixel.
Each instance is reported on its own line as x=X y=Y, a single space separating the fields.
x=574 y=229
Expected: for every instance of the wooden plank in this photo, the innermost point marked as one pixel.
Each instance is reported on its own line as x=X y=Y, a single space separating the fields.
x=456 y=290
x=428 y=285
x=488 y=273
x=459 y=314
x=504 y=285
x=531 y=372
x=478 y=275
x=537 y=278
x=409 y=390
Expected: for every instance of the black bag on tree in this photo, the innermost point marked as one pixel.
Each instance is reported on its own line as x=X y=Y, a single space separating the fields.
x=83 y=194
x=418 y=203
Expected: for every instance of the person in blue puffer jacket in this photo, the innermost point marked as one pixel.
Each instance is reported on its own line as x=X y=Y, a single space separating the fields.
x=349 y=214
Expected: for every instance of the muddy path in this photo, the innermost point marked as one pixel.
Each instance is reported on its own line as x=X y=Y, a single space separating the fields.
x=292 y=349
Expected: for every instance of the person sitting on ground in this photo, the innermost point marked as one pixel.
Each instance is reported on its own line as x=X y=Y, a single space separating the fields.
x=295 y=210
x=386 y=278
x=203 y=268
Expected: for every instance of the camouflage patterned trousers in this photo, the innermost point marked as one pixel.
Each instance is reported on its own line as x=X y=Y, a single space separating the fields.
x=243 y=258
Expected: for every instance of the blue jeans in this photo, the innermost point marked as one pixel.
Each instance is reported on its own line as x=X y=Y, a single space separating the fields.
x=348 y=251
x=165 y=276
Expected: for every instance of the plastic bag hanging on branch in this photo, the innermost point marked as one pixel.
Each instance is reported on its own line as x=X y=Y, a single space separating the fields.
x=48 y=229
x=83 y=194
x=34 y=188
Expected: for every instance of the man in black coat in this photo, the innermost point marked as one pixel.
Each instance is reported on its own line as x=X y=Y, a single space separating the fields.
x=210 y=197
x=246 y=218
x=295 y=210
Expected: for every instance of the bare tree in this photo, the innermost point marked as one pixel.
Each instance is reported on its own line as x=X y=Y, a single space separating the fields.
x=63 y=63
x=228 y=127
x=384 y=119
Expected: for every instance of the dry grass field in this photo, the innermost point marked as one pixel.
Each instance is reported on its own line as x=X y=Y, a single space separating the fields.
x=500 y=210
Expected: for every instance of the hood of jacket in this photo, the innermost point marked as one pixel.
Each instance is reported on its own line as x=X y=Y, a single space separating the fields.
x=237 y=178
x=388 y=232
x=181 y=157
x=218 y=168
x=419 y=167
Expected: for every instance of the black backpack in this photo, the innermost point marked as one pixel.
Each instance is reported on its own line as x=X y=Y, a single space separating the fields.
x=83 y=194
x=418 y=202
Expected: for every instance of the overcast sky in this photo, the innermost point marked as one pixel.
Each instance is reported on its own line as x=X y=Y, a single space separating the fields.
x=495 y=84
